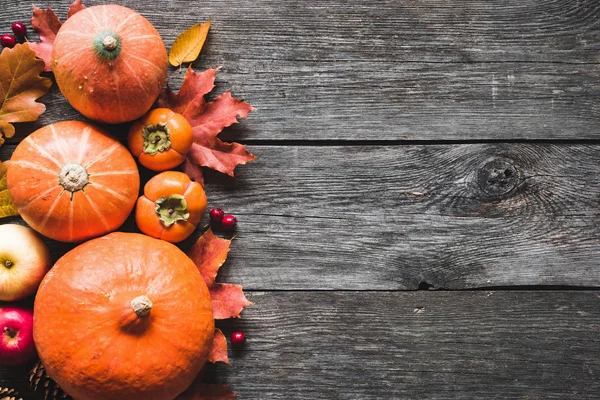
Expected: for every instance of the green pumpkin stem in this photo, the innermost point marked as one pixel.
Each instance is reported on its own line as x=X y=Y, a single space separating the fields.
x=171 y=209
x=107 y=45
x=156 y=138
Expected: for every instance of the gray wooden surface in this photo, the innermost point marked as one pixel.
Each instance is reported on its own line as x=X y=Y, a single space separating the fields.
x=402 y=145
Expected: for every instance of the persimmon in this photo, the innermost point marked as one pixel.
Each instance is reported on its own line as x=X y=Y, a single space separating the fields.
x=160 y=139
x=171 y=207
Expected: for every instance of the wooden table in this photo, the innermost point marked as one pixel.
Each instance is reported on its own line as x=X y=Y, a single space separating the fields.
x=422 y=221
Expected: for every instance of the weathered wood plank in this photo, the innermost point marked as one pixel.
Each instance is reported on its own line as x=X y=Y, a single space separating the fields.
x=433 y=345
x=392 y=69
x=392 y=217
x=454 y=216
x=382 y=30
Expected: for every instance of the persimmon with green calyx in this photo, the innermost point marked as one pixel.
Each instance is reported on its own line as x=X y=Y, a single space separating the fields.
x=110 y=63
x=123 y=317
x=160 y=139
x=171 y=207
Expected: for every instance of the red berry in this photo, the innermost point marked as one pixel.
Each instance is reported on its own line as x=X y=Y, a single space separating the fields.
x=238 y=338
x=19 y=29
x=216 y=215
x=229 y=222
x=8 y=41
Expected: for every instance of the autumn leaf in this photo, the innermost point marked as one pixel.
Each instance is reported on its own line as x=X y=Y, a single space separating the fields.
x=7 y=208
x=209 y=253
x=188 y=45
x=194 y=171
x=228 y=300
x=20 y=85
x=212 y=152
x=46 y=23
x=218 y=351
x=189 y=101
x=208 y=120
x=75 y=7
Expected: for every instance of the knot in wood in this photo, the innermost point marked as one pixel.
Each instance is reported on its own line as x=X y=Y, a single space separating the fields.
x=497 y=177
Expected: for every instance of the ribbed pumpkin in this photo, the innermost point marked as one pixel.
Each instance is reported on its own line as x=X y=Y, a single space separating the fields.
x=123 y=317
x=71 y=181
x=110 y=63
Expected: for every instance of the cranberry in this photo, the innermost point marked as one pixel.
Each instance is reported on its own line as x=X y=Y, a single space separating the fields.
x=229 y=222
x=238 y=339
x=8 y=41
x=216 y=215
x=19 y=29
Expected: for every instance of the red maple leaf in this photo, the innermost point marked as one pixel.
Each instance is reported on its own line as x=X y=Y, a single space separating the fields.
x=218 y=351
x=46 y=24
x=207 y=120
x=209 y=253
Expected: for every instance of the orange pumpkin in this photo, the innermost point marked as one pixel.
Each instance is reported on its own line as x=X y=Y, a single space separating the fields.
x=109 y=62
x=123 y=317
x=171 y=207
x=71 y=181
x=160 y=139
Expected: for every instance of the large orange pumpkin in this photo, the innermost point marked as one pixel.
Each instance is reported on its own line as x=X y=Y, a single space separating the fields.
x=123 y=317
x=71 y=181
x=110 y=63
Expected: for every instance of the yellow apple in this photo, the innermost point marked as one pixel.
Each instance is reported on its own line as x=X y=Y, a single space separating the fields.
x=24 y=261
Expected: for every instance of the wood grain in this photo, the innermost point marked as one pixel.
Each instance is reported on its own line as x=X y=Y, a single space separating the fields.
x=427 y=345
x=388 y=69
x=331 y=236
x=392 y=217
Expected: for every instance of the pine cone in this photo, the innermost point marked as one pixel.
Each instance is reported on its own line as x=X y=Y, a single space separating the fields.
x=41 y=382
x=9 y=394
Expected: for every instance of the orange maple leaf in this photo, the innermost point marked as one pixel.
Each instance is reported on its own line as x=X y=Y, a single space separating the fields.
x=208 y=120
x=46 y=23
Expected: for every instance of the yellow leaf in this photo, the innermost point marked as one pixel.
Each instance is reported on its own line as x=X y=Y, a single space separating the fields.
x=20 y=86
x=188 y=45
x=7 y=209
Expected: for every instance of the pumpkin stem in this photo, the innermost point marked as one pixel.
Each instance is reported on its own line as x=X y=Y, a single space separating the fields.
x=156 y=138
x=141 y=305
x=171 y=209
x=73 y=177
x=107 y=45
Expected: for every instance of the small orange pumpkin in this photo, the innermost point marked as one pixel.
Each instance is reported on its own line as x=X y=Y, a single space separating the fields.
x=71 y=181
x=123 y=317
x=109 y=62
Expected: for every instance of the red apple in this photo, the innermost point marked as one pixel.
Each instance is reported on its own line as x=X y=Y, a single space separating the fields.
x=24 y=261
x=16 y=336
